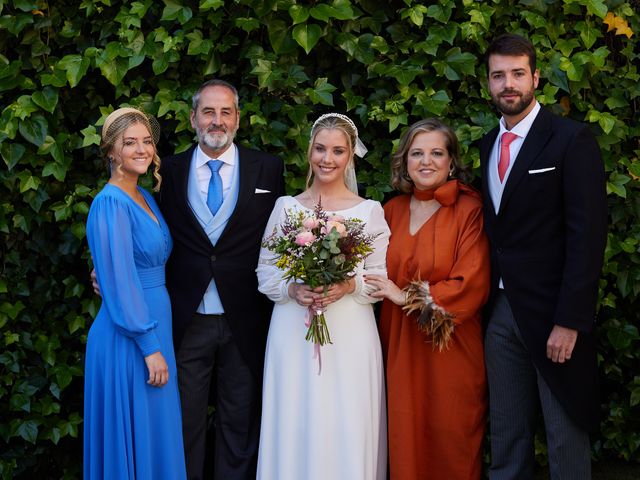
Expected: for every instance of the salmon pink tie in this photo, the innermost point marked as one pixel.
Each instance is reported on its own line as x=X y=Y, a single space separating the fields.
x=503 y=163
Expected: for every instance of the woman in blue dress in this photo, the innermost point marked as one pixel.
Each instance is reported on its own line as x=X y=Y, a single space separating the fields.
x=132 y=424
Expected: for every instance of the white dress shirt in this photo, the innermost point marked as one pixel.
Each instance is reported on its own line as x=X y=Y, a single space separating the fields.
x=521 y=129
x=228 y=159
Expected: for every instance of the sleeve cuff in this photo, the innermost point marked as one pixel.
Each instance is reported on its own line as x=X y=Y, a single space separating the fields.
x=148 y=343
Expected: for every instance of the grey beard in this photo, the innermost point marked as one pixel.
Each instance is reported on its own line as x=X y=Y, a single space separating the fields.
x=215 y=141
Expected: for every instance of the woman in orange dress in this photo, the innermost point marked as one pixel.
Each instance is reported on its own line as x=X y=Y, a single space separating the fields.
x=430 y=326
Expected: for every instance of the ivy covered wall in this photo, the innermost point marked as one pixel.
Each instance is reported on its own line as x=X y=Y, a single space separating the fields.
x=65 y=64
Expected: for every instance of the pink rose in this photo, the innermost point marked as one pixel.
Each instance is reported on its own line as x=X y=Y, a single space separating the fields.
x=340 y=228
x=310 y=223
x=336 y=218
x=305 y=238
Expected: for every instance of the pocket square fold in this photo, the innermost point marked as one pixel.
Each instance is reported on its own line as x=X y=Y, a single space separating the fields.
x=541 y=170
x=260 y=190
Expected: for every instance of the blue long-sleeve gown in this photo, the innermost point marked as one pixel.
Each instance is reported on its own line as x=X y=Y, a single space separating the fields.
x=132 y=430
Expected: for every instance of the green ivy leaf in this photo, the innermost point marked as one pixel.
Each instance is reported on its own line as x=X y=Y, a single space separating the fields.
x=566 y=46
x=439 y=13
x=25 y=5
x=298 y=14
x=58 y=170
x=12 y=153
x=24 y=107
x=616 y=184
x=405 y=74
x=621 y=338
x=307 y=35
x=264 y=72
x=75 y=67
x=90 y=137
x=279 y=37
x=596 y=7
x=16 y=23
x=343 y=10
x=415 y=14
x=198 y=45
x=323 y=12
x=247 y=24
x=176 y=11
x=12 y=309
x=53 y=147
x=588 y=33
x=211 y=5
x=115 y=70
x=435 y=103
x=34 y=129
x=47 y=98
x=140 y=9
x=321 y=92
x=28 y=181
x=28 y=430
x=76 y=324
x=397 y=120
x=461 y=62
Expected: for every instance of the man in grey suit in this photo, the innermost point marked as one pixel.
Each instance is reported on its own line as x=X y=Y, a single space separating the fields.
x=545 y=214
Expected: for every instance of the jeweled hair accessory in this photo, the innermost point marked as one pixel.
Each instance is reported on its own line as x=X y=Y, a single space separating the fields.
x=359 y=149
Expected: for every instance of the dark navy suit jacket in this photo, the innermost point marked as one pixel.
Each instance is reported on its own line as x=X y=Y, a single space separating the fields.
x=547 y=243
x=233 y=260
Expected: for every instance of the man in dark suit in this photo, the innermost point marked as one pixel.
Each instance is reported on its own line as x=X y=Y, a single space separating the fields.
x=545 y=215
x=217 y=198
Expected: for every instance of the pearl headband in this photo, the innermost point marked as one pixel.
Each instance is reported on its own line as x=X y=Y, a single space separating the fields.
x=359 y=149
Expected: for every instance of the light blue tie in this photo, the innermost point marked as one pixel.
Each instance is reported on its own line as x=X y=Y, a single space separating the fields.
x=214 y=195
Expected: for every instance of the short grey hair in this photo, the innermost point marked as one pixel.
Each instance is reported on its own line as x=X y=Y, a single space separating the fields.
x=214 y=82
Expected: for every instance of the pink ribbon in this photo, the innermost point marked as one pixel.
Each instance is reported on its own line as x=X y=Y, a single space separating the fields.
x=308 y=318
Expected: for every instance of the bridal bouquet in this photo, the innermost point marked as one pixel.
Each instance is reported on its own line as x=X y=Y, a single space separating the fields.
x=319 y=249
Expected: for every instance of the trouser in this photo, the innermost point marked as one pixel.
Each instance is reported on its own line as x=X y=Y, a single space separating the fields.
x=208 y=347
x=515 y=387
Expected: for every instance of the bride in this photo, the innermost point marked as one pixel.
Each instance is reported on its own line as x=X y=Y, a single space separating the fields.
x=330 y=424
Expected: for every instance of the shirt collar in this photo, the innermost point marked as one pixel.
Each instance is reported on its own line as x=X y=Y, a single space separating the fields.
x=228 y=156
x=521 y=129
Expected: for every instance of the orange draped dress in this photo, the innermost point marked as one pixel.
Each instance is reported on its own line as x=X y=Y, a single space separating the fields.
x=437 y=400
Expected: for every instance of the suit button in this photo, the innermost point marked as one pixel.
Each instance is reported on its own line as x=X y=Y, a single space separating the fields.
x=499 y=250
x=213 y=258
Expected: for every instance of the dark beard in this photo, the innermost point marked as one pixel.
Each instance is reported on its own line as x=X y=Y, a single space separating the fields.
x=515 y=108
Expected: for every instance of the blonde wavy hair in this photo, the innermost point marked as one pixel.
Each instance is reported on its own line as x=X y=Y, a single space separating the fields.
x=113 y=130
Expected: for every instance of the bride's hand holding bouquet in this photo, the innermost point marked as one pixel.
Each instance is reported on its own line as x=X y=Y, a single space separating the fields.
x=321 y=251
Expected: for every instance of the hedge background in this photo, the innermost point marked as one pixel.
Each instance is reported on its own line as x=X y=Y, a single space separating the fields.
x=65 y=64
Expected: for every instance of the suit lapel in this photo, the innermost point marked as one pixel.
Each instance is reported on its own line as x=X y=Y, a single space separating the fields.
x=534 y=143
x=248 y=171
x=181 y=168
x=485 y=156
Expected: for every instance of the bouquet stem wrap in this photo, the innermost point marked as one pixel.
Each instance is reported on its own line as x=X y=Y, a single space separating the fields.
x=317 y=332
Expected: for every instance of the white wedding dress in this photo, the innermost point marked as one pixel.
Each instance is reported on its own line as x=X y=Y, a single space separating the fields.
x=332 y=425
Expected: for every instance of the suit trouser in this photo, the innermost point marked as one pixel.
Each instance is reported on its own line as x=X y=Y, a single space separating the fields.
x=207 y=345
x=515 y=386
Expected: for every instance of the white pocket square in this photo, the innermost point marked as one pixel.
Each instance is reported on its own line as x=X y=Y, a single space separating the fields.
x=260 y=190
x=541 y=170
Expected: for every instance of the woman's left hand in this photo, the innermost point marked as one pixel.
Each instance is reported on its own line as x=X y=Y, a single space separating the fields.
x=385 y=288
x=333 y=293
